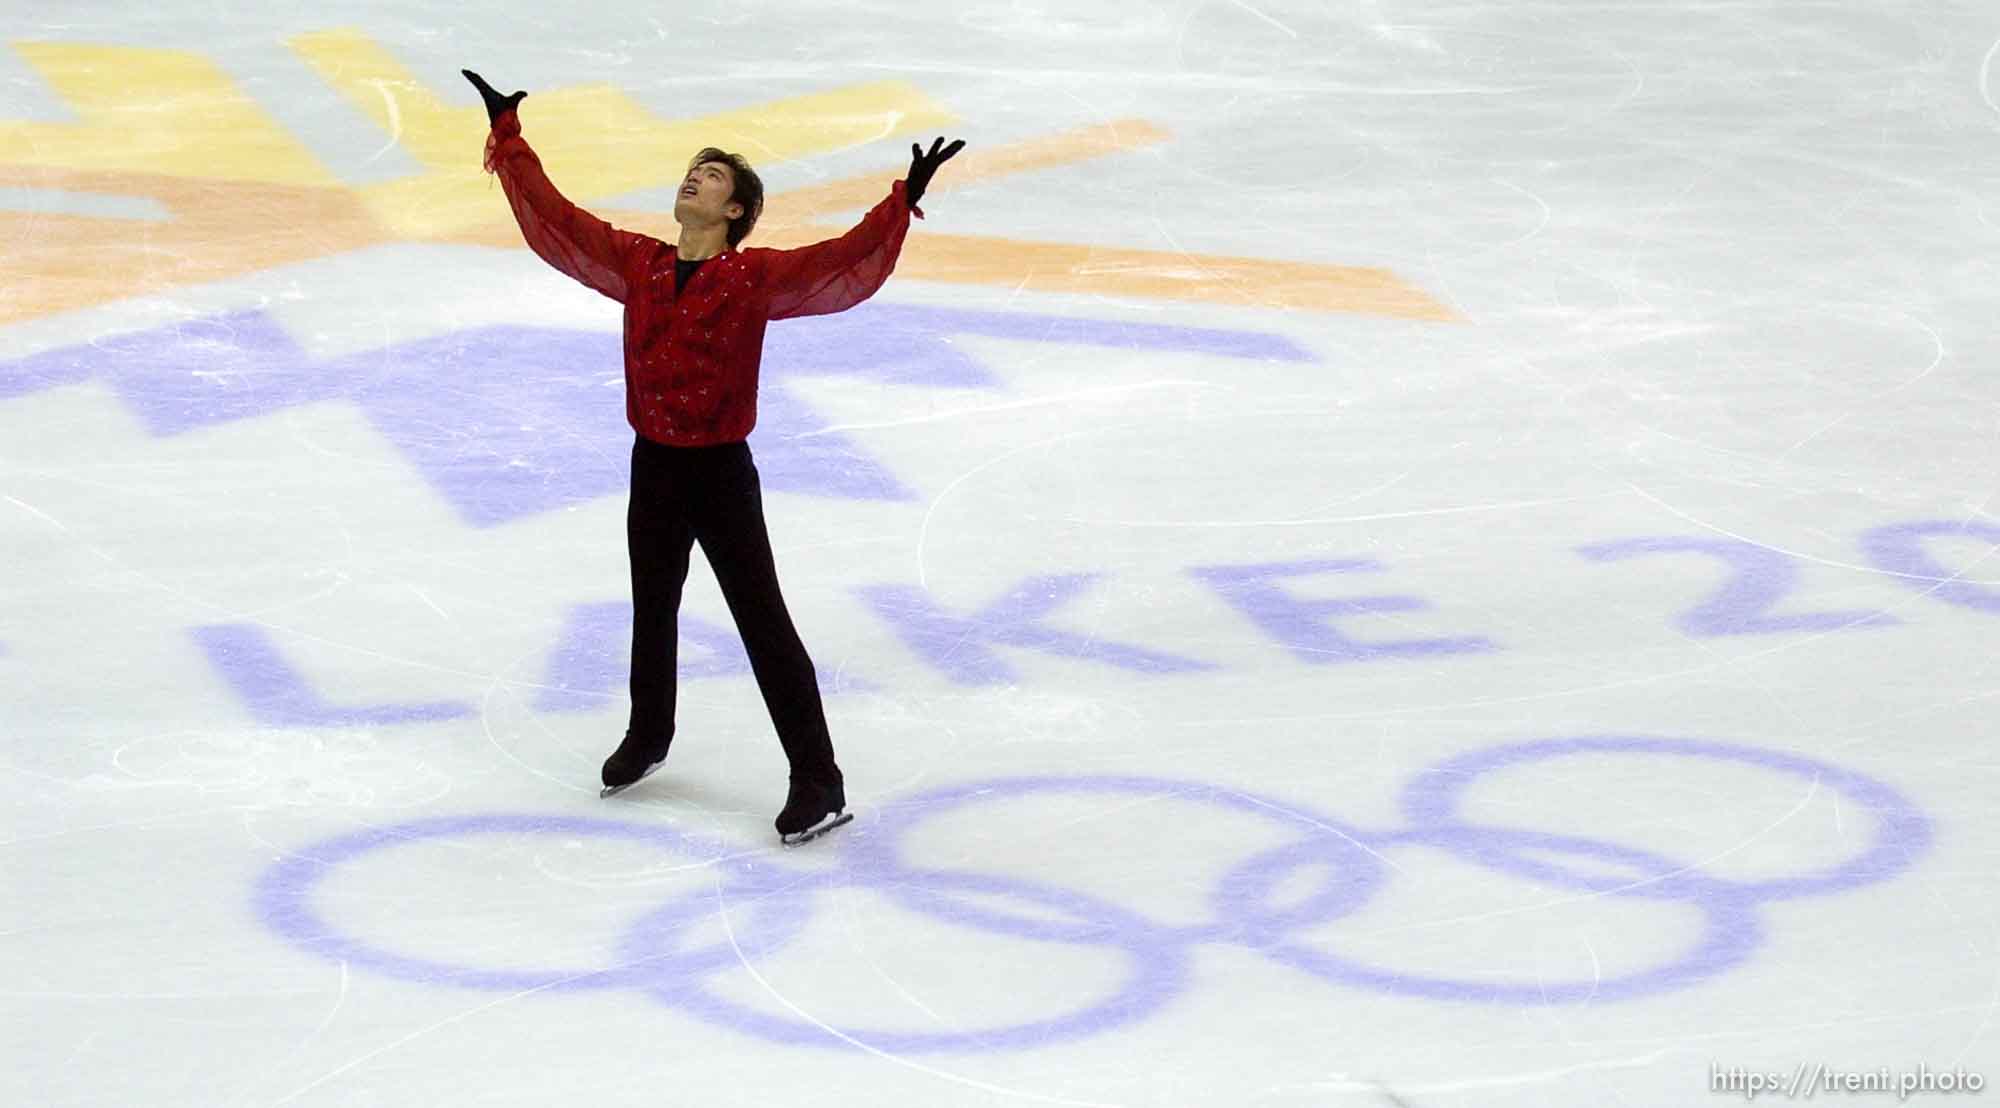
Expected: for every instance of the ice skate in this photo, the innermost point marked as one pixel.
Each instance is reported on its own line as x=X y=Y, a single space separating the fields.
x=811 y=810
x=630 y=764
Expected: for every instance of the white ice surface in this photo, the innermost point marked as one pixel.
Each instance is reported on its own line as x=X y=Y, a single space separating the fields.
x=1724 y=272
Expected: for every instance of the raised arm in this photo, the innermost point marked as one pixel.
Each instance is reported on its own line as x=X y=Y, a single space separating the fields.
x=562 y=234
x=837 y=274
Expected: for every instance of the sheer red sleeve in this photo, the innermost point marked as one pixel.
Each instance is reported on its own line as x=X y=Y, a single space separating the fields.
x=564 y=235
x=837 y=274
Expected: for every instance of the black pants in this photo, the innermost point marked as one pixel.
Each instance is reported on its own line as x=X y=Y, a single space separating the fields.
x=710 y=495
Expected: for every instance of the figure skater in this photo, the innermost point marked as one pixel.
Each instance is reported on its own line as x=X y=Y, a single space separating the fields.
x=695 y=312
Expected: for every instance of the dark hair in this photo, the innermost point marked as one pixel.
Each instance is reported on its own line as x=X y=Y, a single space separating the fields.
x=748 y=191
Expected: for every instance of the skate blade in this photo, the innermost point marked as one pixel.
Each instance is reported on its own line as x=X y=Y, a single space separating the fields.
x=811 y=833
x=614 y=790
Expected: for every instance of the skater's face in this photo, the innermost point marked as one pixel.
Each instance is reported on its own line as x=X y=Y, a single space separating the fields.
x=704 y=195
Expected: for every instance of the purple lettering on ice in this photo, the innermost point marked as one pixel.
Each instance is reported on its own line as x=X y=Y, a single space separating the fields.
x=589 y=663
x=958 y=646
x=279 y=696
x=507 y=421
x=1304 y=625
x=1759 y=580
x=1898 y=549
x=588 y=668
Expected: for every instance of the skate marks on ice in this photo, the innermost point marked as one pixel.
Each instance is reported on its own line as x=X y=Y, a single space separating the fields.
x=1323 y=869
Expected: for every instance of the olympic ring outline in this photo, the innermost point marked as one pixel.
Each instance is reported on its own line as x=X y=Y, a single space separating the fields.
x=1158 y=954
x=1902 y=832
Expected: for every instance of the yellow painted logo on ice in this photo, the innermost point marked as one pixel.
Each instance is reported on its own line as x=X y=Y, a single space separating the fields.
x=242 y=193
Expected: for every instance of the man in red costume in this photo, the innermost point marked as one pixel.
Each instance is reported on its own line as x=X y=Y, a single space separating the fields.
x=694 y=334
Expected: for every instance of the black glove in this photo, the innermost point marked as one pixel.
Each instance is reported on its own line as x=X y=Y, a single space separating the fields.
x=922 y=165
x=496 y=104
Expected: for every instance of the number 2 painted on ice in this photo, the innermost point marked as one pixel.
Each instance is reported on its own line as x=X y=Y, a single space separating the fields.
x=1761 y=577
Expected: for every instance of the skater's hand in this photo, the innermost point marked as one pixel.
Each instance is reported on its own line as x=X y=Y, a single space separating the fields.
x=922 y=165
x=496 y=104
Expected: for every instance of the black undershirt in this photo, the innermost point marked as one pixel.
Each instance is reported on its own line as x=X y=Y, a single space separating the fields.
x=684 y=269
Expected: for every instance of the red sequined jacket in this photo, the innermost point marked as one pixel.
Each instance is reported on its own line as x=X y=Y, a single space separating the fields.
x=691 y=359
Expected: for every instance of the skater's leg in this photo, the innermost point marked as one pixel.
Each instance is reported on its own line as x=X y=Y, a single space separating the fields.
x=658 y=539
x=730 y=527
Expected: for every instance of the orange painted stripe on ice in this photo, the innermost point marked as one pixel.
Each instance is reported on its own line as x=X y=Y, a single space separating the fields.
x=219 y=229
x=1094 y=270
x=1159 y=275
x=1207 y=278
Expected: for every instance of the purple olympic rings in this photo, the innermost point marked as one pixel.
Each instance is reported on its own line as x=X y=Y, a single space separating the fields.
x=768 y=905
